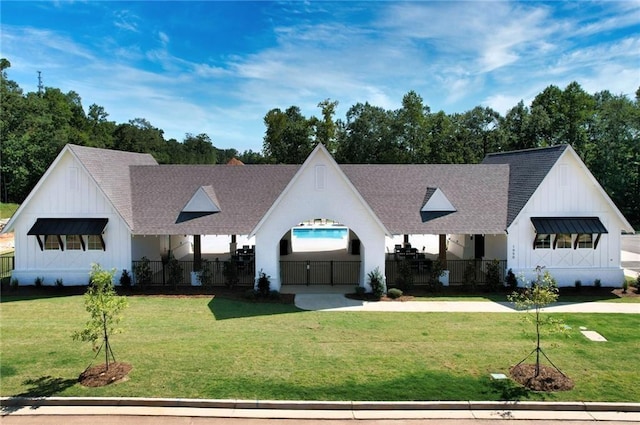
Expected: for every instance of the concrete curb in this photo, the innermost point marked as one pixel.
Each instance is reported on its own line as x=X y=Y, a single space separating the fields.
x=319 y=405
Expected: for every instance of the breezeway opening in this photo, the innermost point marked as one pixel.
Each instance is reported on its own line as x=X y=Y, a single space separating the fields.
x=320 y=252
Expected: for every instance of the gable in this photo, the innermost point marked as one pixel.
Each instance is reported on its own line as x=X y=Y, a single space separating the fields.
x=436 y=201
x=320 y=189
x=527 y=169
x=569 y=189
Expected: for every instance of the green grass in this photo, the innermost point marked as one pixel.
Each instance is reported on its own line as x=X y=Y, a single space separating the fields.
x=7 y=210
x=216 y=348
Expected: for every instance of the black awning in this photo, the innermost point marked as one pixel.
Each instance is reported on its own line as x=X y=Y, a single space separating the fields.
x=568 y=225
x=68 y=226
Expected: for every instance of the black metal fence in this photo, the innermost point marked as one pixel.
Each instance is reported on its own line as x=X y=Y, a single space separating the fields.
x=461 y=272
x=160 y=274
x=7 y=264
x=319 y=272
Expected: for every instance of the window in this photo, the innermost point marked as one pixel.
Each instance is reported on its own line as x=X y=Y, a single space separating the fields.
x=563 y=240
x=543 y=240
x=74 y=242
x=51 y=242
x=585 y=240
x=94 y=242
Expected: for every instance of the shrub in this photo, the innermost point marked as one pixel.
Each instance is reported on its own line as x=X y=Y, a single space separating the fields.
x=493 y=275
x=142 y=271
x=38 y=282
x=264 y=284
x=250 y=294
x=470 y=275
x=230 y=272
x=437 y=270
x=405 y=280
x=512 y=280
x=597 y=283
x=625 y=286
x=578 y=284
x=175 y=277
x=360 y=290
x=206 y=275
x=274 y=295
x=14 y=284
x=125 y=279
x=638 y=282
x=59 y=283
x=394 y=293
x=377 y=282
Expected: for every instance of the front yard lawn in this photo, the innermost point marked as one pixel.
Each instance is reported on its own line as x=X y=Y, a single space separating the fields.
x=205 y=347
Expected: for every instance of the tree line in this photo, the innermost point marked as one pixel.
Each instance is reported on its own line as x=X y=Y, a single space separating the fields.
x=603 y=128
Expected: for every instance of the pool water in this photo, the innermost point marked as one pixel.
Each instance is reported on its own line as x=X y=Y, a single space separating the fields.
x=320 y=232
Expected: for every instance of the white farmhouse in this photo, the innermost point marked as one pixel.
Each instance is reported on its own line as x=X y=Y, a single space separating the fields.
x=539 y=207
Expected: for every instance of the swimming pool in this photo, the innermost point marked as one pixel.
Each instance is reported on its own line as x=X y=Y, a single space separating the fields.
x=320 y=232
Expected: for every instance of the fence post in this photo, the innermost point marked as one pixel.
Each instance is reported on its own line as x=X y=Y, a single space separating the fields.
x=331 y=272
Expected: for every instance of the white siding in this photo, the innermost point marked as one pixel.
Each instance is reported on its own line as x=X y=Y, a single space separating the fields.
x=567 y=191
x=68 y=192
x=333 y=199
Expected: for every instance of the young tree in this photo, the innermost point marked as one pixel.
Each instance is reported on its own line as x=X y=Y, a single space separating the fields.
x=104 y=306
x=536 y=295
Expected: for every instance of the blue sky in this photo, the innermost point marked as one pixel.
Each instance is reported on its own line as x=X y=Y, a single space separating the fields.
x=218 y=67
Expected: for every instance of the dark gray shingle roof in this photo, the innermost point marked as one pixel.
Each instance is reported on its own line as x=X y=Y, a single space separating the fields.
x=110 y=169
x=528 y=168
x=394 y=192
x=244 y=194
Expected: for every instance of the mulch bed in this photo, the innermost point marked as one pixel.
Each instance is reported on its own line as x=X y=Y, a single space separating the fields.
x=99 y=376
x=548 y=380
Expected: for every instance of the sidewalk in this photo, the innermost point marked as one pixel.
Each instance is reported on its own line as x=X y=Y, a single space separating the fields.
x=338 y=302
x=162 y=411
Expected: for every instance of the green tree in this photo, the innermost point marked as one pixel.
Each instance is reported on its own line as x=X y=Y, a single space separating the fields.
x=104 y=307
x=366 y=136
x=411 y=128
x=288 y=138
x=326 y=128
x=198 y=149
x=535 y=296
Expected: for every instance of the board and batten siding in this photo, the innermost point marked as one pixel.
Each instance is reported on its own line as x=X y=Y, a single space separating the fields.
x=319 y=190
x=69 y=192
x=567 y=191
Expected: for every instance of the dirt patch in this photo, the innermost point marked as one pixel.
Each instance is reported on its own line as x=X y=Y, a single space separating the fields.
x=99 y=376
x=548 y=380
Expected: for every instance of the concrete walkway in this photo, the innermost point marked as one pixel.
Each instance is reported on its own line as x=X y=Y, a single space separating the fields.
x=338 y=302
x=170 y=411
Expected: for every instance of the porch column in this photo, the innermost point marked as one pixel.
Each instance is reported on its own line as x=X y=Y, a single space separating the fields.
x=197 y=253
x=233 y=245
x=442 y=251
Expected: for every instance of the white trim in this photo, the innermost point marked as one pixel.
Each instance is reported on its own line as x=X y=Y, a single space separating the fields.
x=581 y=164
x=438 y=202
x=202 y=202
x=319 y=150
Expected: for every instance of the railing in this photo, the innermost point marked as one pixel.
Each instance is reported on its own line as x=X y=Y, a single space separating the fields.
x=319 y=272
x=461 y=272
x=244 y=272
x=7 y=264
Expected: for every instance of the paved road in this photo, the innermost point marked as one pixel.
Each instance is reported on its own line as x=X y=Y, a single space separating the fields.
x=155 y=420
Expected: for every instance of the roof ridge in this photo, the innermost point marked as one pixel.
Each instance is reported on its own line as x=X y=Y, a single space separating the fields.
x=561 y=146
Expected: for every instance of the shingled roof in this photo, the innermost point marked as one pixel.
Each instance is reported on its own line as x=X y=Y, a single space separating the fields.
x=527 y=170
x=394 y=192
x=244 y=194
x=110 y=170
